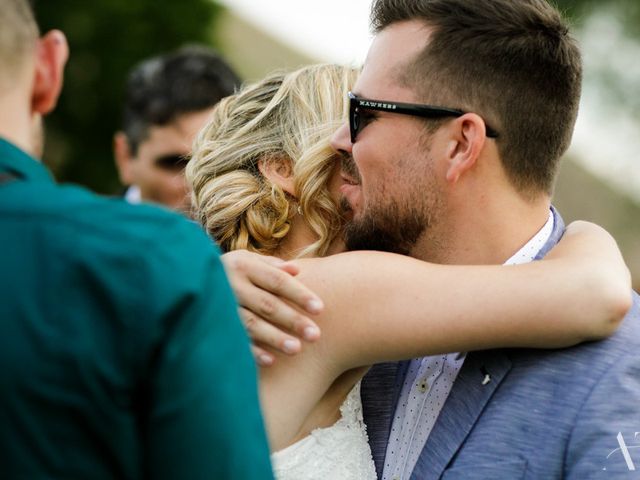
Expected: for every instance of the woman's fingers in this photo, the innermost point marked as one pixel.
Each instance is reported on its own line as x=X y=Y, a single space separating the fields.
x=262 y=357
x=265 y=333
x=267 y=293
x=274 y=276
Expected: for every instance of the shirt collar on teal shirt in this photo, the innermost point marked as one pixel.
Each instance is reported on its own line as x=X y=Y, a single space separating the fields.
x=17 y=162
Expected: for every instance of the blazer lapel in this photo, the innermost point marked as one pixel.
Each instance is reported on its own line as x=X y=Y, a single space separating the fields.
x=380 y=390
x=556 y=234
x=477 y=381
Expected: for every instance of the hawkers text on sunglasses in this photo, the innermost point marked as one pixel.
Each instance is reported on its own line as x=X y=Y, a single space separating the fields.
x=357 y=105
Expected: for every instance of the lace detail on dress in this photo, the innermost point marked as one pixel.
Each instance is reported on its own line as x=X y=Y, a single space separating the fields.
x=339 y=452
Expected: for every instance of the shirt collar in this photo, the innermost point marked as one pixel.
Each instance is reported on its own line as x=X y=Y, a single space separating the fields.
x=133 y=195
x=530 y=249
x=19 y=163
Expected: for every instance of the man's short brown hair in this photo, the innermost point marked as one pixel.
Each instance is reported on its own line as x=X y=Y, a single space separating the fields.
x=512 y=62
x=18 y=33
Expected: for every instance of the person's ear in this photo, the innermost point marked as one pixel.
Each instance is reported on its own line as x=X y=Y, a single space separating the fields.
x=52 y=52
x=280 y=172
x=465 y=146
x=124 y=158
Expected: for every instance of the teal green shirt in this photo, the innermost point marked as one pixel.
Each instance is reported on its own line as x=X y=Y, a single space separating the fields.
x=121 y=353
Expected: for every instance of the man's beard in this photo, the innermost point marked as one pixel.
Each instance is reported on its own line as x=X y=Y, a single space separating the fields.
x=394 y=226
x=388 y=229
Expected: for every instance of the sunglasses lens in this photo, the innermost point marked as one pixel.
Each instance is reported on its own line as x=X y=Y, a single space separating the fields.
x=172 y=162
x=354 y=123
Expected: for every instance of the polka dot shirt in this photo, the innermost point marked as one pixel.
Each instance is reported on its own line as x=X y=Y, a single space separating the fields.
x=427 y=385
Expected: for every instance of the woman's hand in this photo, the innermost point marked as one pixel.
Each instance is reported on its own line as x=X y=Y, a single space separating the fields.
x=266 y=290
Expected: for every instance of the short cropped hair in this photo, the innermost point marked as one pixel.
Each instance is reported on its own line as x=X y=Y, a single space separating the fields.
x=512 y=62
x=18 y=34
x=161 y=88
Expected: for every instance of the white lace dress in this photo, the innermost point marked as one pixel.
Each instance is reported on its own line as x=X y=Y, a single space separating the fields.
x=338 y=452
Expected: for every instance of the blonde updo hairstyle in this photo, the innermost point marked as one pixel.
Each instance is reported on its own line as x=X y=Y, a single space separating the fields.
x=285 y=117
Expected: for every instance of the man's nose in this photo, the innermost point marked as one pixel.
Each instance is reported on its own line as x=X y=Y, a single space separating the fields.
x=341 y=139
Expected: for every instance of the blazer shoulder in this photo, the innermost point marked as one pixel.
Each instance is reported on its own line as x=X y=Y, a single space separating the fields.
x=628 y=335
x=584 y=365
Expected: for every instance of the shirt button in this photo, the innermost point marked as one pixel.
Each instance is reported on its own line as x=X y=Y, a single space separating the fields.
x=423 y=386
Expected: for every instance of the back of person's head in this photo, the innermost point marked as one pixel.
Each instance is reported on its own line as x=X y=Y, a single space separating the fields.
x=161 y=88
x=18 y=36
x=286 y=118
x=512 y=62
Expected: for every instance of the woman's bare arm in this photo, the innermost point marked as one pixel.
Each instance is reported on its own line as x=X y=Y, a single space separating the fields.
x=382 y=306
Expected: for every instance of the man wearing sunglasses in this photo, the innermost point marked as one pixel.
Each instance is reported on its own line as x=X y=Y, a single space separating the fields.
x=456 y=127
x=167 y=100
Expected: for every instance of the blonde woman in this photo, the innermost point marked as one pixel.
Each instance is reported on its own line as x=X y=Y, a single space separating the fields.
x=265 y=179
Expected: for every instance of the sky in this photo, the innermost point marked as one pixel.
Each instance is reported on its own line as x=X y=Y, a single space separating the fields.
x=329 y=30
x=606 y=140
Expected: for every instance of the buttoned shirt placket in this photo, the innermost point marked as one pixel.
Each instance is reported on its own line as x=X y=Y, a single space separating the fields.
x=427 y=385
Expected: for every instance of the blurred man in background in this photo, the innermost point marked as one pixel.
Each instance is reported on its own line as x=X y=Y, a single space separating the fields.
x=167 y=99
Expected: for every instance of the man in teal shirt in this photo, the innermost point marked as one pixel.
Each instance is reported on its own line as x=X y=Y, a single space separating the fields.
x=121 y=353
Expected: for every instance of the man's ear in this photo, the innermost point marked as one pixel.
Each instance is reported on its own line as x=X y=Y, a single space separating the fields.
x=124 y=158
x=52 y=52
x=465 y=145
x=280 y=172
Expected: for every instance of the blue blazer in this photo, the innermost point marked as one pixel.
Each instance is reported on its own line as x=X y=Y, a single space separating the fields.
x=572 y=413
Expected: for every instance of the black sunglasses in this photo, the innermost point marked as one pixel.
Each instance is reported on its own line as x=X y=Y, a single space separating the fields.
x=173 y=162
x=356 y=105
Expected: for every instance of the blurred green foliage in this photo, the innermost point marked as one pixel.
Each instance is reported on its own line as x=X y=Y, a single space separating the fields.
x=107 y=37
x=610 y=71
x=627 y=11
